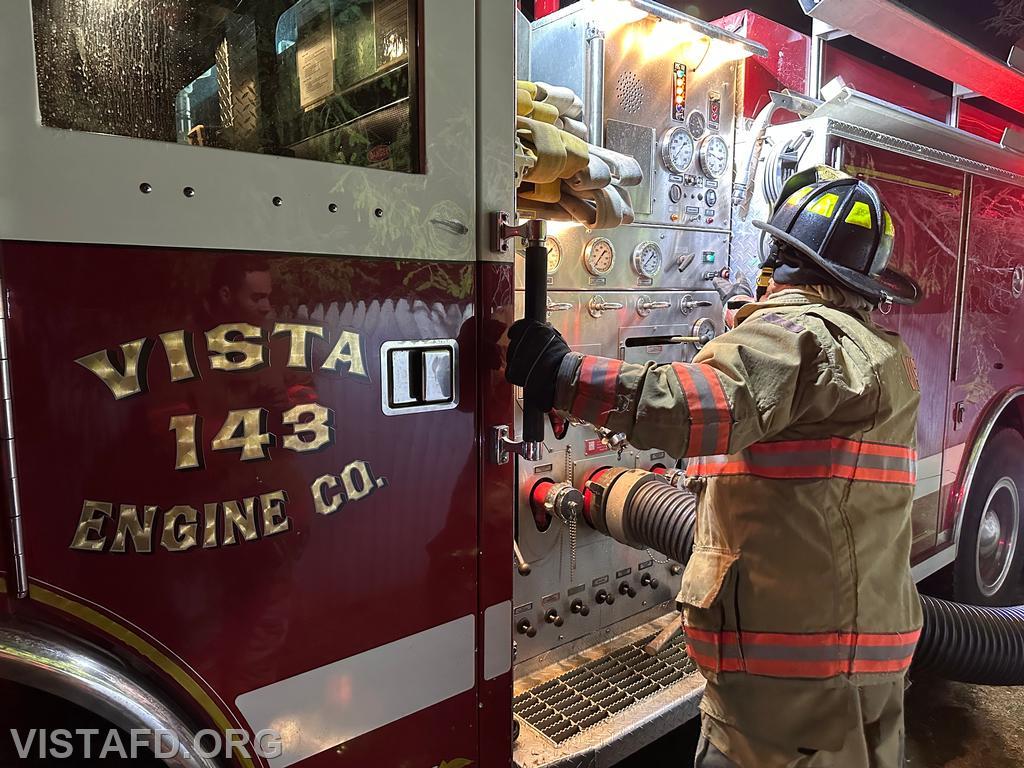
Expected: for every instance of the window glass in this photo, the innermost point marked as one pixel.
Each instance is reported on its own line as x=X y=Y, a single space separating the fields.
x=329 y=80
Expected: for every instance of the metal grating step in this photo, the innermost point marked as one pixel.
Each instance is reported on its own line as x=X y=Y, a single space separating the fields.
x=583 y=697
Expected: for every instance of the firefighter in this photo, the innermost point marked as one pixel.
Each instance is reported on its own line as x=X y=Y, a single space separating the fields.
x=799 y=606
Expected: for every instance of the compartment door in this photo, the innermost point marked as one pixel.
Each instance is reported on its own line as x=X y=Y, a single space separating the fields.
x=926 y=202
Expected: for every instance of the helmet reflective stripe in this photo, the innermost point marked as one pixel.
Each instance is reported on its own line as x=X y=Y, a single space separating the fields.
x=890 y=230
x=860 y=215
x=797 y=197
x=825 y=205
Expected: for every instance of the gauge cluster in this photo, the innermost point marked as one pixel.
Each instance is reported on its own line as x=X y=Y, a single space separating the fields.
x=632 y=258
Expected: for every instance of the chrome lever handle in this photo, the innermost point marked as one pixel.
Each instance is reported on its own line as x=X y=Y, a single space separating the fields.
x=645 y=304
x=559 y=306
x=598 y=306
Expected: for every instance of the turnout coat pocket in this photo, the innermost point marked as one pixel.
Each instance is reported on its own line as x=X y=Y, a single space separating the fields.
x=706 y=596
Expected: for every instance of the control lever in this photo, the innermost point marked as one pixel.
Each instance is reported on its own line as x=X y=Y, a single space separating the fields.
x=598 y=306
x=603 y=596
x=522 y=566
x=625 y=588
x=578 y=606
x=558 y=306
x=645 y=304
x=649 y=581
x=524 y=627
x=687 y=304
x=552 y=617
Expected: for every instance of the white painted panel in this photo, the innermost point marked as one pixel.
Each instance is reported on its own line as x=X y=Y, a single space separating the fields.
x=497 y=640
x=324 y=707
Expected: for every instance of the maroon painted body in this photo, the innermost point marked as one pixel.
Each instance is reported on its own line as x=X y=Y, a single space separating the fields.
x=926 y=202
x=392 y=563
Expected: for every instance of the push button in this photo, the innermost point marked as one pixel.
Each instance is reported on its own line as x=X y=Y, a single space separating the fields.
x=418 y=376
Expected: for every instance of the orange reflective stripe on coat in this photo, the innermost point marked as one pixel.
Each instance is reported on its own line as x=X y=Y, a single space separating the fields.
x=710 y=415
x=817 y=459
x=810 y=655
x=595 y=393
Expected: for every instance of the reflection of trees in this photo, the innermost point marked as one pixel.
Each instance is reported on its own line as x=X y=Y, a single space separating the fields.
x=997 y=229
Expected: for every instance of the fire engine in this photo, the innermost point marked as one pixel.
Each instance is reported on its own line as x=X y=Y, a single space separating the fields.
x=261 y=468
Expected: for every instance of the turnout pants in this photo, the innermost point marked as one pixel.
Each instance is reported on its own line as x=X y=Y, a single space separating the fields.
x=874 y=738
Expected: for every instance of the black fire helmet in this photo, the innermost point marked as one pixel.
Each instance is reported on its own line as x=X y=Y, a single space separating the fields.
x=840 y=226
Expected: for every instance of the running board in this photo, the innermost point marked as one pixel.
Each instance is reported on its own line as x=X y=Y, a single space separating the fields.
x=601 y=705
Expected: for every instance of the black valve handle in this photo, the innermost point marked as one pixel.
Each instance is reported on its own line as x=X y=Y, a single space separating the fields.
x=536 y=308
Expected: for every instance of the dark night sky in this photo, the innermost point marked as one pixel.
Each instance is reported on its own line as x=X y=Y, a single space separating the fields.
x=967 y=18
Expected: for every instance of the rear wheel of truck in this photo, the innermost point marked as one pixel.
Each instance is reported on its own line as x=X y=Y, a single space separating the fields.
x=988 y=565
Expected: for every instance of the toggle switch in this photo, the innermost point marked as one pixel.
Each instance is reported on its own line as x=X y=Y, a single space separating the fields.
x=524 y=627
x=649 y=581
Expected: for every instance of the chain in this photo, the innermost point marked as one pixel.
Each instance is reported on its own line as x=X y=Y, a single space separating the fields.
x=570 y=477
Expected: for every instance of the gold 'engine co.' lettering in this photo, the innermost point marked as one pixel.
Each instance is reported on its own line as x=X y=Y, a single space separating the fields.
x=240 y=518
x=130 y=378
x=236 y=347
x=301 y=342
x=347 y=351
x=89 y=534
x=178 y=536
x=179 y=351
x=274 y=518
x=129 y=526
x=357 y=482
x=101 y=528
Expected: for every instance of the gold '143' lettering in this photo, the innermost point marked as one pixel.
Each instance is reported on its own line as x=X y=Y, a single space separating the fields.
x=231 y=347
x=246 y=430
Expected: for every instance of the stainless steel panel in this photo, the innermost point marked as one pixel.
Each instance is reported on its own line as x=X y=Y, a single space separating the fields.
x=639 y=90
x=558 y=49
x=637 y=141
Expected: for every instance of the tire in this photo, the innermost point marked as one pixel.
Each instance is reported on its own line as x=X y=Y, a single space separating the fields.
x=988 y=566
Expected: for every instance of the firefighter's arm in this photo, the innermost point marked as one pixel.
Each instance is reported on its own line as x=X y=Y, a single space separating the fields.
x=742 y=388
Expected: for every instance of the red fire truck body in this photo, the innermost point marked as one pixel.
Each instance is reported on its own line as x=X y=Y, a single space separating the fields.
x=250 y=397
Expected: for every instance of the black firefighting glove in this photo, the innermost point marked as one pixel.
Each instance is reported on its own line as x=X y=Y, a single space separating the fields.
x=535 y=353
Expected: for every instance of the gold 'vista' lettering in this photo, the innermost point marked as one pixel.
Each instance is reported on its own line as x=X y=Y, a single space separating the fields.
x=232 y=347
x=347 y=351
x=129 y=379
x=300 y=337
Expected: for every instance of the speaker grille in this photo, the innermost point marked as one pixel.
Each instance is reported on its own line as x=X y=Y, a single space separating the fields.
x=629 y=91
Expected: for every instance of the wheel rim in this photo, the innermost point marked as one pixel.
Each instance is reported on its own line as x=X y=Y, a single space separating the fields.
x=997 y=537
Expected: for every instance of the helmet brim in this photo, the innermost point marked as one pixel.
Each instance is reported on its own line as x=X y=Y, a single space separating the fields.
x=889 y=286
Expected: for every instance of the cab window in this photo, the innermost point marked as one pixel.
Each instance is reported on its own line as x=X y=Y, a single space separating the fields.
x=328 y=80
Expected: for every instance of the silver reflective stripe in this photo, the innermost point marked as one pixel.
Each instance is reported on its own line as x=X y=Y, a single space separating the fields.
x=324 y=707
x=497 y=640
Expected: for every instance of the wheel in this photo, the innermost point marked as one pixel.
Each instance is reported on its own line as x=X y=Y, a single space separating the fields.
x=988 y=564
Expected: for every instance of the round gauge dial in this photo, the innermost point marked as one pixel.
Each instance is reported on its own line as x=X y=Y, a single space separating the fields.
x=696 y=124
x=647 y=259
x=677 y=150
x=554 y=255
x=714 y=156
x=599 y=256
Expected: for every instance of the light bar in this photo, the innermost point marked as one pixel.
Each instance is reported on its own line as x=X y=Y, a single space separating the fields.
x=749 y=47
x=892 y=27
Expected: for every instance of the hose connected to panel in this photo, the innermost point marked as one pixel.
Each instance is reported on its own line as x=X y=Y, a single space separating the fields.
x=966 y=643
x=971 y=643
x=662 y=517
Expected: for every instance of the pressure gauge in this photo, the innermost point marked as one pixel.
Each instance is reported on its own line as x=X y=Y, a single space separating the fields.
x=696 y=124
x=554 y=255
x=714 y=156
x=599 y=256
x=647 y=259
x=677 y=150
